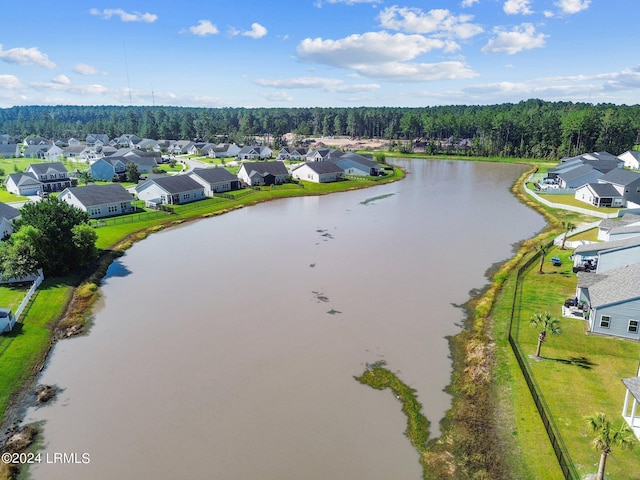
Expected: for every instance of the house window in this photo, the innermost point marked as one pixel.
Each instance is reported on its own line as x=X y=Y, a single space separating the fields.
x=605 y=321
x=633 y=326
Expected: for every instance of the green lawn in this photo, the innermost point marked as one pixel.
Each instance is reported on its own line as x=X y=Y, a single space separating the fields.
x=580 y=374
x=22 y=350
x=571 y=200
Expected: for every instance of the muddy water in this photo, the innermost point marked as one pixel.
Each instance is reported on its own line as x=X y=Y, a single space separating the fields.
x=226 y=349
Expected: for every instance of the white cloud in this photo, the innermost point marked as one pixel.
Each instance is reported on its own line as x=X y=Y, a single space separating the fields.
x=515 y=7
x=26 y=56
x=469 y=3
x=124 y=16
x=326 y=84
x=523 y=37
x=572 y=6
x=417 y=72
x=62 y=83
x=277 y=97
x=362 y=49
x=257 y=31
x=548 y=14
x=384 y=56
x=204 y=28
x=10 y=82
x=440 y=22
x=84 y=69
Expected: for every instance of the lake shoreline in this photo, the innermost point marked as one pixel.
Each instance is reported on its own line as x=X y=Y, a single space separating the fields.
x=77 y=311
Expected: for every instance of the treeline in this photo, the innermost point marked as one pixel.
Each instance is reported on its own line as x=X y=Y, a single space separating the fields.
x=531 y=129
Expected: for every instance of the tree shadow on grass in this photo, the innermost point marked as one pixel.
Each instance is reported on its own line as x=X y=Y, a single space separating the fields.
x=582 y=362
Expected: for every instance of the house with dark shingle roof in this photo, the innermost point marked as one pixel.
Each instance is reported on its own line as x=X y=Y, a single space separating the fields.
x=612 y=301
x=356 y=164
x=54 y=176
x=24 y=184
x=627 y=183
x=599 y=195
x=99 y=200
x=263 y=173
x=578 y=176
x=170 y=189
x=215 y=180
x=7 y=215
x=252 y=152
x=318 y=172
x=9 y=150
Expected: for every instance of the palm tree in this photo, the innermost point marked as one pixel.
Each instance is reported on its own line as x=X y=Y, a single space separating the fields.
x=546 y=323
x=607 y=438
x=543 y=249
x=568 y=227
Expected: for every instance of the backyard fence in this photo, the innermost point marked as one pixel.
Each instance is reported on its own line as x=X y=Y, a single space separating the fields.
x=562 y=454
x=28 y=295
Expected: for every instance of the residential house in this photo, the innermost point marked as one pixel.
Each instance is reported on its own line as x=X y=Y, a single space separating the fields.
x=215 y=180
x=263 y=173
x=631 y=159
x=606 y=256
x=627 y=183
x=355 y=164
x=23 y=184
x=223 y=150
x=35 y=151
x=35 y=140
x=10 y=150
x=109 y=168
x=318 y=172
x=54 y=153
x=607 y=225
x=323 y=155
x=7 y=215
x=612 y=301
x=292 y=153
x=72 y=141
x=54 y=176
x=148 y=145
x=253 y=152
x=170 y=189
x=195 y=148
x=180 y=147
x=6 y=139
x=74 y=152
x=127 y=140
x=599 y=195
x=578 y=176
x=99 y=200
x=95 y=139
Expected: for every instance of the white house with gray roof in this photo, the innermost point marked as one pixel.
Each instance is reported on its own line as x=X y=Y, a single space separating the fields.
x=600 y=195
x=631 y=159
x=99 y=200
x=608 y=224
x=263 y=173
x=318 y=172
x=215 y=180
x=23 y=184
x=612 y=301
x=170 y=189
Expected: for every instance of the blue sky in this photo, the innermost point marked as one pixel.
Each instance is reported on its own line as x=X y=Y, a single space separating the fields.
x=324 y=53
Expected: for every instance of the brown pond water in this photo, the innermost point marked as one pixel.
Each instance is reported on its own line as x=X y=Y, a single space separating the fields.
x=226 y=348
